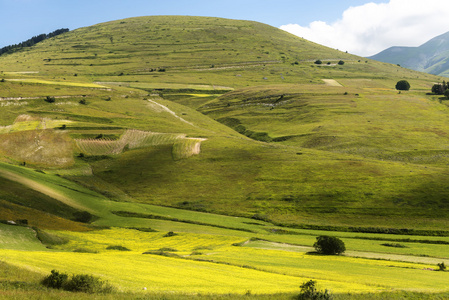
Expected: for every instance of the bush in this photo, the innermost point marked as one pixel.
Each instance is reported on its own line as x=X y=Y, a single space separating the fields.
x=85 y=283
x=170 y=234
x=318 y=62
x=117 y=247
x=441 y=267
x=402 y=85
x=310 y=292
x=55 y=280
x=329 y=245
x=50 y=99
x=341 y=62
x=77 y=283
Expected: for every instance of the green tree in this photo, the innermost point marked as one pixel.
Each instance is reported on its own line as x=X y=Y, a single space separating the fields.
x=329 y=245
x=310 y=292
x=402 y=85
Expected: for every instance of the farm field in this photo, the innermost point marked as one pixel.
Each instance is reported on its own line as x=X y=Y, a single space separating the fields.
x=161 y=155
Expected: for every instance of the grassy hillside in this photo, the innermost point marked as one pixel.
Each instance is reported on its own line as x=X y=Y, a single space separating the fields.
x=135 y=104
x=221 y=131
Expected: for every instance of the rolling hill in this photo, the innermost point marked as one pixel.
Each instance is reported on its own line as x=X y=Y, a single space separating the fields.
x=431 y=57
x=164 y=76
x=222 y=131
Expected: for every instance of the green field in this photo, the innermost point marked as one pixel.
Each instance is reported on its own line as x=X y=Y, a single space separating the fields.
x=228 y=136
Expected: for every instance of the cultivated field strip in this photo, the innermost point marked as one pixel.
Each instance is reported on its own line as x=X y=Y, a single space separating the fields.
x=182 y=147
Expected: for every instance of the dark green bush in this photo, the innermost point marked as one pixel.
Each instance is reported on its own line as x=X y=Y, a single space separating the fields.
x=77 y=283
x=50 y=99
x=329 y=245
x=55 y=280
x=87 y=284
x=170 y=234
x=117 y=247
x=402 y=85
x=310 y=292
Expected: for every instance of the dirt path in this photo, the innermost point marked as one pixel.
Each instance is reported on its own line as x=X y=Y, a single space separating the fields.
x=331 y=82
x=165 y=108
x=39 y=187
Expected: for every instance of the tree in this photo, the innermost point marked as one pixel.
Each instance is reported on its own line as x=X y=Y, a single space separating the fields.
x=310 y=292
x=341 y=62
x=329 y=245
x=402 y=85
x=318 y=62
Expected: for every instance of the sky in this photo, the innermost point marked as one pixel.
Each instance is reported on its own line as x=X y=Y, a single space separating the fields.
x=360 y=27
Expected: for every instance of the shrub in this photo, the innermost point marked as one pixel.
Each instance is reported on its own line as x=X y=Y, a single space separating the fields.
x=395 y=245
x=87 y=284
x=402 y=85
x=310 y=292
x=55 y=280
x=117 y=247
x=318 y=62
x=170 y=234
x=50 y=99
x=341 y=62
x=329 y=245
x=441 y=267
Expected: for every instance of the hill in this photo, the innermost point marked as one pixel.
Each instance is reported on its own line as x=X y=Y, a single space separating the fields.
x=207 y=149
x=161 y=77
x=431 y=57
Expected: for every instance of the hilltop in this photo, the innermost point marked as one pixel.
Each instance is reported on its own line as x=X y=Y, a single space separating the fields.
x=431 y=57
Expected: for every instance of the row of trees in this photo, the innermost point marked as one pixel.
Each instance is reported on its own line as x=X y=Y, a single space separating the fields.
x=31 y=42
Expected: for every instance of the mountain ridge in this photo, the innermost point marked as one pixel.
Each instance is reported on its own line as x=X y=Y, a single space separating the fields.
x=431 y=57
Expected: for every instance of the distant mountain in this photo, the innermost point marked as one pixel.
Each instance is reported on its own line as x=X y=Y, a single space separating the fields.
x=431 y=57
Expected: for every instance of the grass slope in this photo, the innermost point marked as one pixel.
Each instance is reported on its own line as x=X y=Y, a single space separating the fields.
x=220 y=131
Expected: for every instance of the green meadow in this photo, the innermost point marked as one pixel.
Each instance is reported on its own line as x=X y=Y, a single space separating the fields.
x=189 y=157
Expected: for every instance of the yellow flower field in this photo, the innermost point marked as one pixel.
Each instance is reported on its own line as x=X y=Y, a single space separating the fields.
x=207 y=264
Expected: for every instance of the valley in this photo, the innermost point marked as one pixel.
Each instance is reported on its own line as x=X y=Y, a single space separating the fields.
x=193 y=157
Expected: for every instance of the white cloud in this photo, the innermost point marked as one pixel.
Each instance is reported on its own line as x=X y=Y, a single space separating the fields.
x=368 y=29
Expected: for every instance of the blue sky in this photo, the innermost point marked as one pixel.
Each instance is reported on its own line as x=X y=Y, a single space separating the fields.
x=314 y=20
